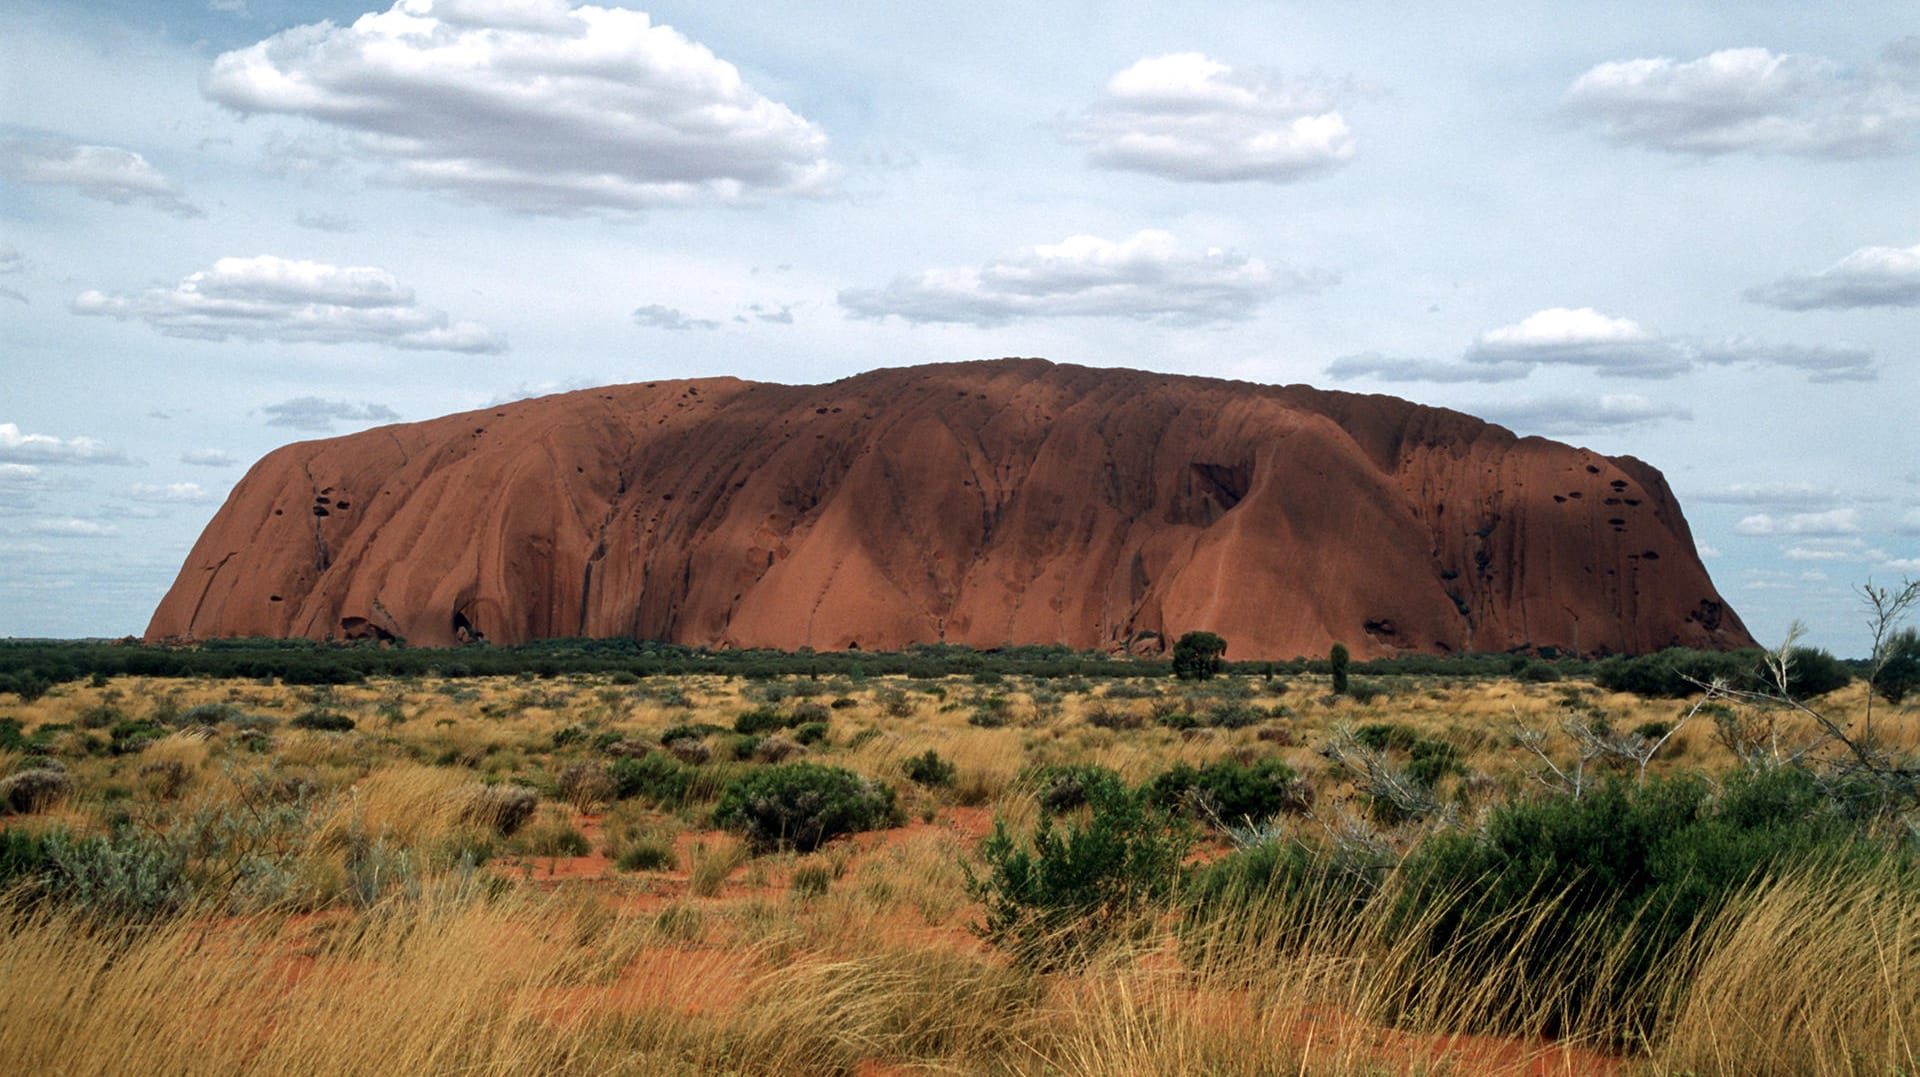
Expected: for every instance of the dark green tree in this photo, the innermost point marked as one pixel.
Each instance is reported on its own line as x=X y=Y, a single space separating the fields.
x=1337 y=662
x=1899 y=674
x=1198 y=655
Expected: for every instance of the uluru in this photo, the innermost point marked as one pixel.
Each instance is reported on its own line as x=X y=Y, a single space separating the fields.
x=995 y=503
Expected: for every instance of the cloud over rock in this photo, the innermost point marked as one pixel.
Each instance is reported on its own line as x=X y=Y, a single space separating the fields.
x=1148 y=276
x=535 y=106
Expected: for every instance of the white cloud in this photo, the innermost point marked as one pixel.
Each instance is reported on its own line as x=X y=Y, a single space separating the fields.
x=1707 y=551
x=71 y=527
x=1910 y=523
x=1752 y=100
x=19 y=485
x=1185 y=116
x=1565 y=336
x=271 y=298
x=1149 y=276
x=172 y=493
x=1869 y=277
x=1609 y=346
x=104 y=173
x=534 y=106
x=20 y=448
x=1560 y=416
x=658 y=317
x=208 y=458
x=1834 y=550
x=325 y=222
x=1821 y=364
x=1395 y=369
x=1788 y=494
x=315 y=414
x=1831 y=522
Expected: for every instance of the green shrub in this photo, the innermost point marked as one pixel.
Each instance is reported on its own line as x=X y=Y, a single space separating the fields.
x=126 y=738
x=323 y=720
x=928 y=769
x=1234 y=715
x=1364 y=692
x=689 y=731
x=1558 y=885
x=1899 y=675
x=802 y=805
x=810 y=733
x=126 y=875
x=22 y=857
x=1813 y=672
x=211 y=714
x=1338 y=661
x=987 y=717
x=1228 y=792
x=760 y=720
x=1062 y=787
x=1056 y=901
x=1677 y=673
x=655 y=776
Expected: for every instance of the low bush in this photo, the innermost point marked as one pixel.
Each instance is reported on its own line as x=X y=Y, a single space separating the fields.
x=125 y=875
x=656 y=777
x=928 y=769
x=34 y=790
x=1055 y=901
x=587 y=784
x=760 y=720
x=1226 y=792
x=1061 y=787
x=802 y=805
x=777 y=749
x=22 y=857
x=1102 y=716
x=323 y=720
x=689 y=731
x=500 y=808
x=1615 y=880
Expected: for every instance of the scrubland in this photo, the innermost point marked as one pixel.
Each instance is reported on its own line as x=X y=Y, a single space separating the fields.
x=510 y=875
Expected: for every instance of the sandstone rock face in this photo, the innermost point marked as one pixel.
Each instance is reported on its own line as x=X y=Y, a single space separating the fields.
x=991 y=503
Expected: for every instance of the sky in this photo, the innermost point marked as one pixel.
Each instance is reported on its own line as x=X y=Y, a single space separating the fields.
x=1687 y=232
